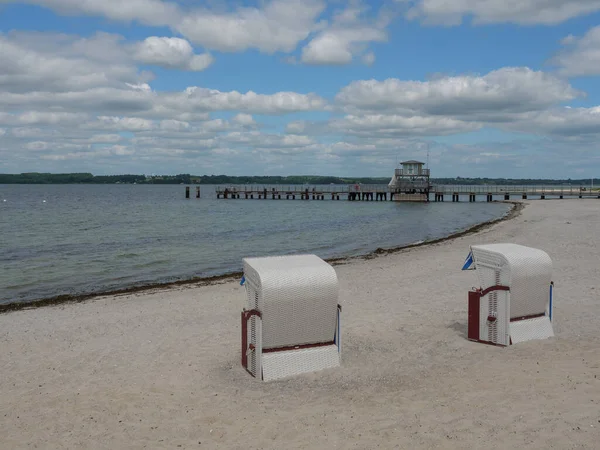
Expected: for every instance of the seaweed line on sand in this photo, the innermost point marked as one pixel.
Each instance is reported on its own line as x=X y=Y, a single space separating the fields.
x=515 y=211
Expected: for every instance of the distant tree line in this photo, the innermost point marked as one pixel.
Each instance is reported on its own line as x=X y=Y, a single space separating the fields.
x=88 y=178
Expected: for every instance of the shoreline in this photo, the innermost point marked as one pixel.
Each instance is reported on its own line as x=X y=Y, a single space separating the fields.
x=515 y=211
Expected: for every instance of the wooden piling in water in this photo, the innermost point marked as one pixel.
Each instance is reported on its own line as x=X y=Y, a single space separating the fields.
x=187 y=192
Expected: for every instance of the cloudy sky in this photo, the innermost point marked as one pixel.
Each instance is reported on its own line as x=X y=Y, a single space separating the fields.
x=506 y=88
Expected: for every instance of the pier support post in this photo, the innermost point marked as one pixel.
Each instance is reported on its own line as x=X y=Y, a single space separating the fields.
x=489 y=197
x=506 y=197
x=197 y=191
x=524 y=196
x=471 y=197
x=187 y=192
x=543 y=196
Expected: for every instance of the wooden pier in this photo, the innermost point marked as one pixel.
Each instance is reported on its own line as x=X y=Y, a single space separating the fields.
x=302 y=193
x=382 y=192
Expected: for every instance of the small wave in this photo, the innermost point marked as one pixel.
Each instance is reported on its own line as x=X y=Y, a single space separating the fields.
x=128 y=255
x=159 y=262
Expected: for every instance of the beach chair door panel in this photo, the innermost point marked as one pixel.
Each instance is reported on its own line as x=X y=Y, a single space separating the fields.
x=494 y=317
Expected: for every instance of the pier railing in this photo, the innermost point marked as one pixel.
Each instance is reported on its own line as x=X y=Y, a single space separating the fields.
x=411 y=173
x=400 y=192
x=299 y=188
x=509 y=189
x=441 y=189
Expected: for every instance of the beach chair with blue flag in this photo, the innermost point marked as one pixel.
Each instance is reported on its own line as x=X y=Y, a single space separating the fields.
x=514 y=302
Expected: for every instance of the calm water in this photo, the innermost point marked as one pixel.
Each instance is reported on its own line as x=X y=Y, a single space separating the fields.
x=72 y=239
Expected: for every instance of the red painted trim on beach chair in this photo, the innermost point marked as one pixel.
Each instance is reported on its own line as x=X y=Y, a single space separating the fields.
x=246 y=315
x=494 y=288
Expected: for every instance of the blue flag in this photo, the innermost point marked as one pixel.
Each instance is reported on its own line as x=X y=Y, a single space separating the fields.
x=468 y=265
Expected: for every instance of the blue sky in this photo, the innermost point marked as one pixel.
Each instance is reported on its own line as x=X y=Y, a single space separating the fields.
x=281 y=87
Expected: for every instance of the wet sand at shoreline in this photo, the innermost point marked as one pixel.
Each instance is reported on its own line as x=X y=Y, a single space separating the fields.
x=160 y=369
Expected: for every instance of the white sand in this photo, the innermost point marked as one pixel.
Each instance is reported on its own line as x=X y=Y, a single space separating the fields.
x=162 y=370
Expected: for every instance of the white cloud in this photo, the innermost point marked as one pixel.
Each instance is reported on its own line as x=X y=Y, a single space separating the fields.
x=35 y=61
x=144 y=87
x=191 y=104
x=296 y=127
x=578 y=123
x=41 y=118
x=150 y=12
x=244 y=119
x=105 y=139
x=581 y=57
x=172 y=53
x=526 y=12
x=279 y=26
x=174 y=125
x=347 y=37
x=274 y=26
x=36 y=146
x=338 y=46
x=257 y=139
x=511 y=89
x=121 y=124
x=380 y=125
x=202 y=99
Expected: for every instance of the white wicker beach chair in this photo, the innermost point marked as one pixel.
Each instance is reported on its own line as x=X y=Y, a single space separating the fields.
x=291 y=324
x=514 y=302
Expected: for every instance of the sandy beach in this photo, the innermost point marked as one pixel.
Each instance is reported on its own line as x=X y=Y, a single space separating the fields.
x=161 y=369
